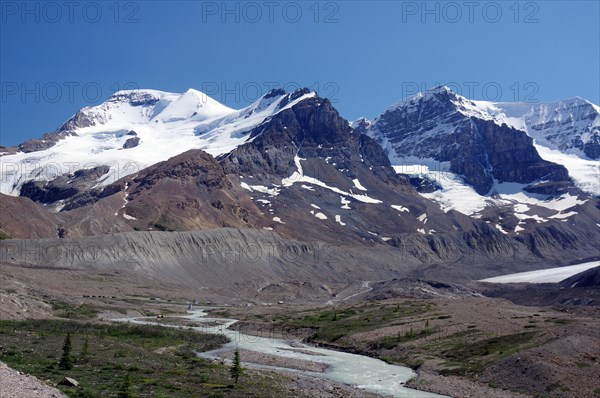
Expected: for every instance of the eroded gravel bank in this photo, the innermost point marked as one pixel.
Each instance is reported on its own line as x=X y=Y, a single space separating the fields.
x=15 y=384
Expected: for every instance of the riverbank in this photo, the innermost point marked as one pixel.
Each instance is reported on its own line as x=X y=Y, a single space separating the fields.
x=464 y=347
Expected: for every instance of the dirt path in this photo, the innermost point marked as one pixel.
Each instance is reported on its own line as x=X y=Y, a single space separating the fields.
x=19 y=385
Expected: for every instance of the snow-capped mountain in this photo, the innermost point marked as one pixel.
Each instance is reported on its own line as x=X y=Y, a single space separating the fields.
x=472 y=155
x=570 y=126
x=565 y=132
x=445 y=127
x=135 y=129
x=289 y=163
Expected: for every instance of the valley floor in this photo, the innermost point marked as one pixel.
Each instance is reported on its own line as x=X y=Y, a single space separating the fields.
x=461 y=344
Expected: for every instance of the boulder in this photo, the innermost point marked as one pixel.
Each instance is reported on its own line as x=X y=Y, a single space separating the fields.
x=67 y=381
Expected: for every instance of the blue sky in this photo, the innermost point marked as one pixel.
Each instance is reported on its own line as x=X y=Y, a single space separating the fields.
x=60 y=56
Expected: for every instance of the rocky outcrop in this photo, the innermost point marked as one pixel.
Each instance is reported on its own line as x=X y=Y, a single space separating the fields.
x=195 y=164
x=63 y=187
x=131 y=142
x=78 y=120
x=48 y=140
x=423 y=185
x=311 y=129
x=592 y=148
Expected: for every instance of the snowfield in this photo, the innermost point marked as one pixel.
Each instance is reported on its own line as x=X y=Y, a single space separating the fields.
x=585 y=172
x=455 y=194
x=550 y=275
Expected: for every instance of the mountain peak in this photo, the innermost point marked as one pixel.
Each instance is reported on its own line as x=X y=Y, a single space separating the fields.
x=440 y=89
x=193 y=104
x=438 y=93
x=276 y=92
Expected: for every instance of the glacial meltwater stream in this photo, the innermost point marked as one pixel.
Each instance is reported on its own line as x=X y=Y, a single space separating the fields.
x=364 y=372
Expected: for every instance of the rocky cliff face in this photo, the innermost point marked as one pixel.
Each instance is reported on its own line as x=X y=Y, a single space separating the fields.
x=313 y=129
x=488 y=152
x=433 y=126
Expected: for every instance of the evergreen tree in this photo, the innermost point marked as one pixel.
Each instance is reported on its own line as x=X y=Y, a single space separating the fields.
x=126 y=391
x=84 y=351
x=66 y=360
x=236 y=369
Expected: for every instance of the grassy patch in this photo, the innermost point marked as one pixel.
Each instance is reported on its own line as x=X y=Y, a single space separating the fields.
x=500 y=345
x=557 y=387
x=160 y=361
x=412 y=362
x=390 y=342
x=64 y=309
x=332 y=324
x=470 y=359
x=582 y=365
x=162 y=227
